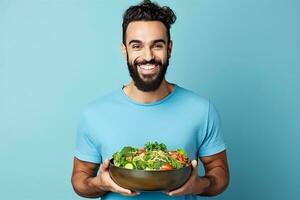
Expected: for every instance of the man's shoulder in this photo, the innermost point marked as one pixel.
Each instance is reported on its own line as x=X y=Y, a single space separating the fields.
x=192 y=97
x=103 y=102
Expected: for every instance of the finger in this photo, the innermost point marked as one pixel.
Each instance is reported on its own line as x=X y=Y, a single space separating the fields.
x=130 y=195
x=176 y=192
x=126 y=192
x=134 y=193
x=194 y=163
x=195 y=168
x=105 y=165
x=122 y=190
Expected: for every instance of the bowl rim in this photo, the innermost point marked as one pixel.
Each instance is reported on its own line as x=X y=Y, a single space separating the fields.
x=151 y=170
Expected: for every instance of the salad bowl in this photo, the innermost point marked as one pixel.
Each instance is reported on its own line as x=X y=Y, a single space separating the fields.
x=149 y=180
x=151 y=168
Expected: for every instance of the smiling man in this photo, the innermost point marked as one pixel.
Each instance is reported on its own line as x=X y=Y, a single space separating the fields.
x=147 y=50
x=149 y=108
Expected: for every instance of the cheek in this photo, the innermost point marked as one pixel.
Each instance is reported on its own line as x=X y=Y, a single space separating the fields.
x=163 y=56
x=132 y=57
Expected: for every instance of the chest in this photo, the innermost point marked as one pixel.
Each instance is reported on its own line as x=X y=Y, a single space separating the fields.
x=136 y=127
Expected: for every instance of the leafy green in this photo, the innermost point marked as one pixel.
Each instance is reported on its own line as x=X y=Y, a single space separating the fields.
x=175 y=163
x=155 y=146
x=182 y=152
x=152 y=157
x=124 y=156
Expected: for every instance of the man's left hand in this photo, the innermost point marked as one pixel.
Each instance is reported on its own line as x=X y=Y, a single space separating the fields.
x=194 y=185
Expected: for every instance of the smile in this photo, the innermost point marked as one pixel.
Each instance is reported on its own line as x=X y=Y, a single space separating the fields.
x=147 y=67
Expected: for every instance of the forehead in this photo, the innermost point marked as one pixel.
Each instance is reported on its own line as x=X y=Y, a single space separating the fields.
x=146 y=31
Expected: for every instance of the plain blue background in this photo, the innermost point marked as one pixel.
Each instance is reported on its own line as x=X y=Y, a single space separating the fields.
x=56 y=56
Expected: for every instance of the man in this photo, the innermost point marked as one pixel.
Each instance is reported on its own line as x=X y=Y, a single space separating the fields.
x=149 y=109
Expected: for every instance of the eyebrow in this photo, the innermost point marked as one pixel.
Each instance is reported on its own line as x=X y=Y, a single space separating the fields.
x=134 y=41
x=160 y=40
x=155 y=41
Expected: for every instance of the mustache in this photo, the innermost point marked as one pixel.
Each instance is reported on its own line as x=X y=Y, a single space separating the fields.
x=150 y=62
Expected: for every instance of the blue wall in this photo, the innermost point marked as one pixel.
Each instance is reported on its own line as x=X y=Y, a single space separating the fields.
x=56 y=56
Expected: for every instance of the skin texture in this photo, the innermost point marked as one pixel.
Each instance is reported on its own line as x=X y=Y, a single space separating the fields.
x=145 y=41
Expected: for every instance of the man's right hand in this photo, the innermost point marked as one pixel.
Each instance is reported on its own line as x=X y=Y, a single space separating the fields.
x=105 y=182
x=86 y=183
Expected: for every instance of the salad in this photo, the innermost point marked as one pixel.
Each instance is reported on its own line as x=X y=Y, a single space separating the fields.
x=153 y=156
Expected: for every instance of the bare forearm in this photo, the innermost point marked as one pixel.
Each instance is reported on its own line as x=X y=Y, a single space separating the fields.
x=218 y=180
x=86 y=186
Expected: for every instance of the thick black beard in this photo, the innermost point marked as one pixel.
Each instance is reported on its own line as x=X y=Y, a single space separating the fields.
x=152 y=85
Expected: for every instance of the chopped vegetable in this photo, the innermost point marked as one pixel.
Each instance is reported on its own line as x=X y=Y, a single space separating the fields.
x=153 y=156
x=166 y=166
x=128 y=166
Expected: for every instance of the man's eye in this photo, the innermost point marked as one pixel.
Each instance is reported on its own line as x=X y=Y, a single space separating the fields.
x=136 y=46
x=158 y=46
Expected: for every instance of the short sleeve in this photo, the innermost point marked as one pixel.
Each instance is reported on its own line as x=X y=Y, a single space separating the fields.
x=85 y=149
x=213 y=141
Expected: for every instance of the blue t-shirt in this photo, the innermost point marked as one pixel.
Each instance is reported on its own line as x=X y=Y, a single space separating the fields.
x=182 y=119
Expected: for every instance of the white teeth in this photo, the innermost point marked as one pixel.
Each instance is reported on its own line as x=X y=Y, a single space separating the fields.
x=147 y=67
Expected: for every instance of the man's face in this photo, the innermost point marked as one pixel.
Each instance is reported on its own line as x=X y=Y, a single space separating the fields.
x=147 y=50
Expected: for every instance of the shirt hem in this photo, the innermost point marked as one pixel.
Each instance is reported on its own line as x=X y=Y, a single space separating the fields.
x=213 y=151
x=87 y=158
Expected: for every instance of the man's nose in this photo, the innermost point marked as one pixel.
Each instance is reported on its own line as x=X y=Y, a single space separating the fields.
x=148 y=54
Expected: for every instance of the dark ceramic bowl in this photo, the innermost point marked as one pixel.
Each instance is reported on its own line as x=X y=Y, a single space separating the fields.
x=149 y=180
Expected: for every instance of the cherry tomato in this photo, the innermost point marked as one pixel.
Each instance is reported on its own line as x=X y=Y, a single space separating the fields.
x=166 y=166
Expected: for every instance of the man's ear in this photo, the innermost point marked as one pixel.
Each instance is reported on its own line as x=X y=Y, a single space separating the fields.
x=170 y=46
x=124 y=50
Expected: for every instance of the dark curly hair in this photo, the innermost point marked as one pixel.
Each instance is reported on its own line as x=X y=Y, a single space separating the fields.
x=148 y=11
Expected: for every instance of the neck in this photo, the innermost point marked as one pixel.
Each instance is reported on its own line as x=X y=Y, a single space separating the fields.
x=148 y=97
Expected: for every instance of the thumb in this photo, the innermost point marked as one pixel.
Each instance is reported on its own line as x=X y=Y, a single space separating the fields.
x=105 y=165
x=194 y=165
